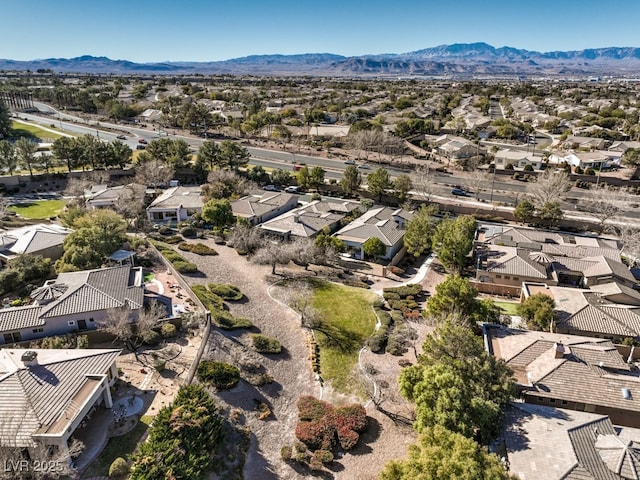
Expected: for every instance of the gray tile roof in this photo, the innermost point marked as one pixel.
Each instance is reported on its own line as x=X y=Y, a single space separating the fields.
x=87 y=291
x=602 y=317
x=33 y=399
x=306 y=221
x=32 y=239
x=185 y=197
x=257 y=206
x=379 y=223
x=514 y=261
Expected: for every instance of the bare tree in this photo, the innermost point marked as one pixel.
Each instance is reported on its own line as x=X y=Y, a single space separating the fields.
x=77 y=188
x=226 y=183
x=630 y=238
x=272 y=253
x=132 y=332
x=246 y=238
x=153 y=172
x=549 y=187
x=476 y=181
x=299 y=296
x=45 y=462
x=604 y=202
x=424 y=182
x=130 y=203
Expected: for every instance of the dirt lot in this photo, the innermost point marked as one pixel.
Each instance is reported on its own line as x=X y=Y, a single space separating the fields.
x=293 y=377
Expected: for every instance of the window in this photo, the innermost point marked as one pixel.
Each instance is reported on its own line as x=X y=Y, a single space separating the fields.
x=38 y=330
x=516 y=278
x=498 y=276
x=91 y=319
x=564 y=402
x=541 y=399
x=507 y=277
x=552 y=400
x=71 y=323
x=14 y=337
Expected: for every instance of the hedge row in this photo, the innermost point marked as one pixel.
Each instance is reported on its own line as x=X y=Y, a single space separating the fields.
x=264 y=344
x=180 y=263
x=395 y=293
x=226 y=291
x=197 y=248
x=221 y=375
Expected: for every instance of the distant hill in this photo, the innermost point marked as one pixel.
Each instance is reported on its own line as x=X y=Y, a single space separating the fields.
x=459 y=60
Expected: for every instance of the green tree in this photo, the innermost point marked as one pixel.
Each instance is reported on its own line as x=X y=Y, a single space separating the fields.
x=373 y=247
x=66 y=149
x=402 y=186
x=304 y=177
x=209 y=155
x=233 y=156
x=525 y=211
x=97 y=234
x=537 y=311
x=5 y=120
x=8 y=157
x=183 y=440
x=453 y=240
x=218 y=213
x=631 y=157
x=351 y=180
x=420 y=229
x=378 y=182
x=280 y=176
x=174 y=152
x=440 y=454
x=316 y=177
x=550 y=212
x=325 y=240
x=454 y=295
x=457 y=384
x=26 y=151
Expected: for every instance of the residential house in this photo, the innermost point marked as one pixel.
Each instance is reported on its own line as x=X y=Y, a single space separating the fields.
x=516 y=158
x=109 y=197
x=454 y=147
x=40 y=239
x=307 y=221
x=545 y=443
x=568 y=371
x=75 y=301
x=384 y=223
x=623 y=146
x=598 y=160
x=261 y=208
x=176 y=204
x=46 y=395
x=584 y=143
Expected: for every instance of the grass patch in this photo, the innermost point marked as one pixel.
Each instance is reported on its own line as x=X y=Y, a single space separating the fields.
x=20 y=129
x=118 y=447
x=508 y=308
x=38 y=209
x=348 y=321
x=148 y=277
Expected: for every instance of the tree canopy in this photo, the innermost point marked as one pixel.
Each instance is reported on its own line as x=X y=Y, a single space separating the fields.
x=441 y=454
x=218 y=213
x=378 y=182
x=420 y=229
x=373 y=247
x=453 y=240
x=351 y=180
x=97 y=234
x=457 y=384
x=537 y=311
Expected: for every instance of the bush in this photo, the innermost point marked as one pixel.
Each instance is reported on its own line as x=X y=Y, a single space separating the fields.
x=197 y=248
x=225 y=291
x=227 y=321
x=412 y=289
x=378 y=340
x=508 y=166
x=188 y=231
x=264 y=344
x=185 y=267
x=151 y=337
x=221 y=375
x=286 y=452
x=383 y=316
x=390 y=295
x=211 y=301
x=119 y=468
x=528 y=168
x=589 y=171
x=168 y=330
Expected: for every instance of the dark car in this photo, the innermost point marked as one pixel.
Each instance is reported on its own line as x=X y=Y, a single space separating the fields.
x=140 y=147
x=121 y=137
x=459 y=192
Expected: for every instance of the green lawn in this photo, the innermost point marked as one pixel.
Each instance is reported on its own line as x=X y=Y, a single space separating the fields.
x=348 y=322
x=508 y=308
x=23 y=130
x=121 y=446
x=38 y=209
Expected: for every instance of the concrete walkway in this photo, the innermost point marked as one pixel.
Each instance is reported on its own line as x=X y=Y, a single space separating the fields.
x=418 y=277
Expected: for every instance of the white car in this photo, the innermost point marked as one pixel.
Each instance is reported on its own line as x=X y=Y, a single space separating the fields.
x=291 y=189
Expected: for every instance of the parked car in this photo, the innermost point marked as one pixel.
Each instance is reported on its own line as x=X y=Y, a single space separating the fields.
x=121 y=137
x=140 y=147
x=291 y=189
x=364 y=167
x=270 y=188
x=142 y=140
x=298 y=166
x=459 y=192
x=350 y=162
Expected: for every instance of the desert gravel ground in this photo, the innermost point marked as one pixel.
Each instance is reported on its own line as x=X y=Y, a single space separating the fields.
x=383 y=441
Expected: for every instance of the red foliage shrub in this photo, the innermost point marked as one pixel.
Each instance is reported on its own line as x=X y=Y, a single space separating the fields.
x=310 y=408
x=348 y=438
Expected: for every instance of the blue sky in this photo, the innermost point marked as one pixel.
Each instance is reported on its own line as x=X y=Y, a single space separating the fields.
x=202 y=30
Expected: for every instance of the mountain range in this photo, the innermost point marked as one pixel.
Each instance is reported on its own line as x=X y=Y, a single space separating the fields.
x=457 y=60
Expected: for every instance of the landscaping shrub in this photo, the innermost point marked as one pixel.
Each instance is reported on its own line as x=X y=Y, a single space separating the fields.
x=412 y=289
x=397 y=316
x=119 y=468
x=168 y=330
x=378 y=340
x=225 y=291
x=286 y=452
x=227 y=321
x=221 y=375
x=211 y=301
x=151 y=337
x=311 y=409
x=185 y=267
x=197 y=248
x=264 y=344
x=400 y=338
x=383 y=316
x=390 y=295
x=188 y=231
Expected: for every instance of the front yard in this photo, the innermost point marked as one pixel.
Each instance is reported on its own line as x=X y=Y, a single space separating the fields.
x=38 y=210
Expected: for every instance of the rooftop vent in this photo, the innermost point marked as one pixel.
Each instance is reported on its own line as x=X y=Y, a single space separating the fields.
x=29 y=358
x=626 y=394
x=558 y=350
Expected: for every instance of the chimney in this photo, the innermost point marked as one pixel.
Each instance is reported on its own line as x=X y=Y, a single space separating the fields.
x=29 y=358
x=558 y=350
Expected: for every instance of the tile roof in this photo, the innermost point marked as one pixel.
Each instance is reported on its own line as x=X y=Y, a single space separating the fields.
x=598 y=315
x=309 y=219
x=378 y=222
x=514 y=261
x=253 y=206
x=32 y=238
x=175 y=197
x=86 y=291
x=591 y=371
x=35 y=399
